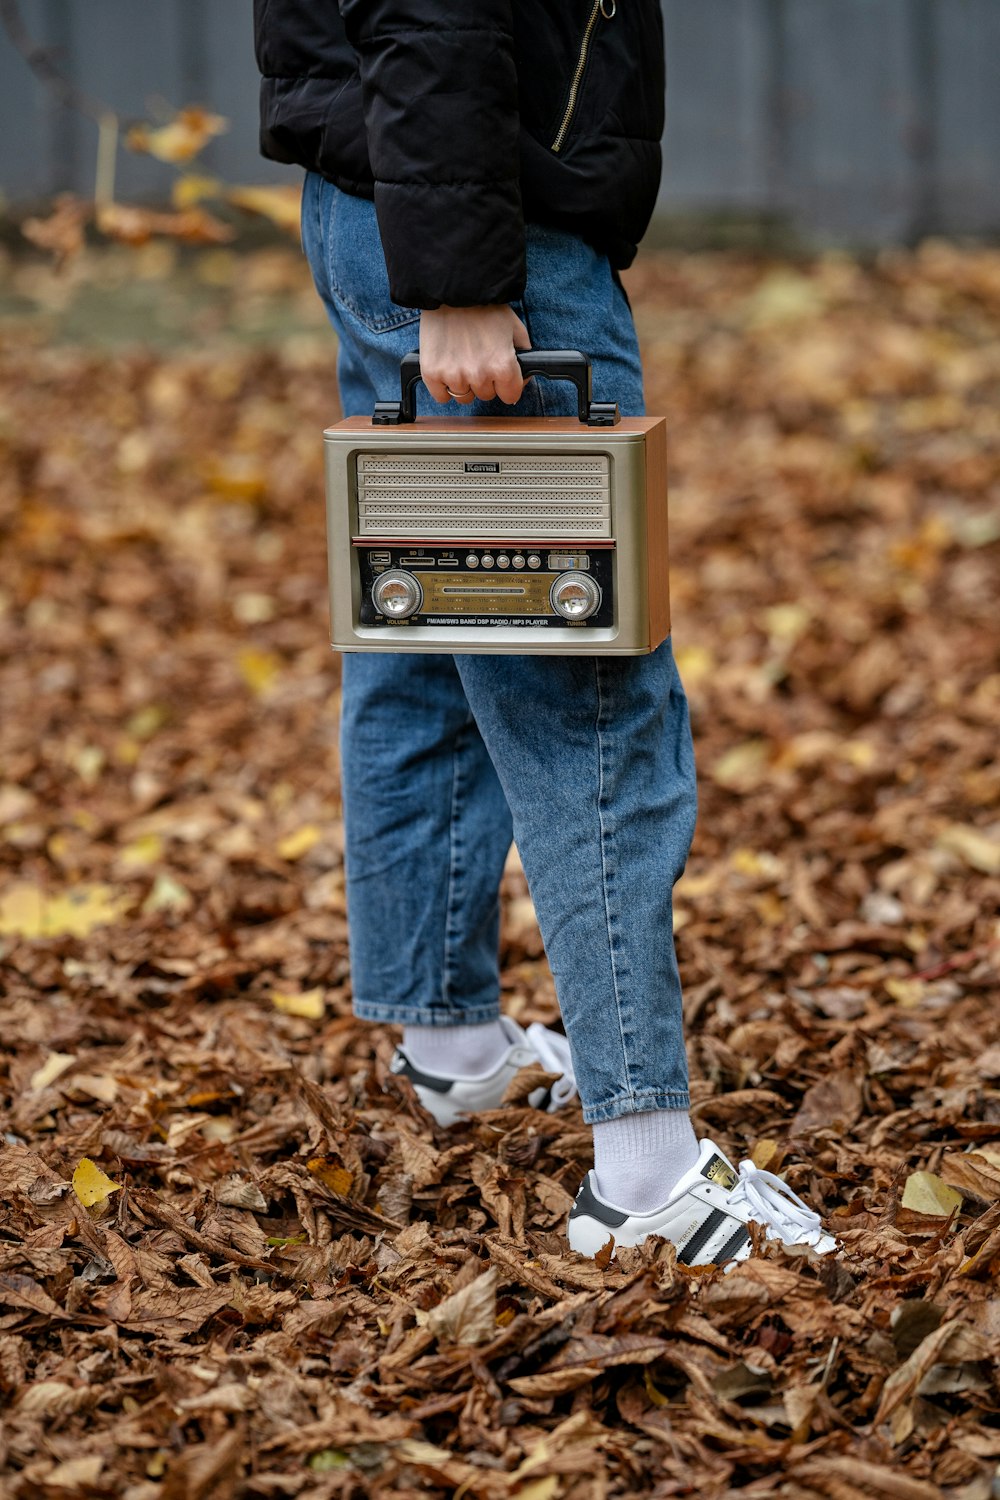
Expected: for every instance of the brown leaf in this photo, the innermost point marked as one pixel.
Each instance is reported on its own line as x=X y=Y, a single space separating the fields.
x=468 y=1316
x=952 y=1343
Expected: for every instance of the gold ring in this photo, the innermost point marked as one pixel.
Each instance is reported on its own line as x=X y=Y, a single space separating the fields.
x=456 y=394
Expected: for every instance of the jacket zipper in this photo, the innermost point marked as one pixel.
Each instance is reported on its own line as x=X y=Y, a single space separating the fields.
x=607 y=9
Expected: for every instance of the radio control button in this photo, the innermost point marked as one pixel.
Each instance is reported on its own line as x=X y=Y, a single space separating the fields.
x=487 y=560
x=503 y=561
x=518 y=560
x=397 y=595
x=472 y=561
x=534 y=561
x=575 y=596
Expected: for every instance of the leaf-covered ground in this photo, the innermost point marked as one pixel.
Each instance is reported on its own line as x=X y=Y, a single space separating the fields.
x=287 y=1280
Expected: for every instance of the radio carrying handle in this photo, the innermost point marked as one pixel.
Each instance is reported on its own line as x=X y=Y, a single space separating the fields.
x=557 y=364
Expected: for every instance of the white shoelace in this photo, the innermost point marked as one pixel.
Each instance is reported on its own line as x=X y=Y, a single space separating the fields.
x=771 y=1202
x=552 y=1050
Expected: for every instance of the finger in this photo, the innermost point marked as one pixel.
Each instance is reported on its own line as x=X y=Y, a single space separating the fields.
x=484 y=388
x=522 y=338
x=436 y=389
x=459 y=388
x=508 y=380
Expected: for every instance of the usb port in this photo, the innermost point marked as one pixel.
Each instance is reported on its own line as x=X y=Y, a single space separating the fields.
x=379 y=559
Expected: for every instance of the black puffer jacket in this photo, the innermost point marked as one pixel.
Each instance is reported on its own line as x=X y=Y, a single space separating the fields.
x=461 y=118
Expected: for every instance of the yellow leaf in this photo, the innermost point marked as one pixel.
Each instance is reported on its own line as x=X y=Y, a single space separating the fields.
x=976 y=848
x=743 y=767
x=281 y=204
x=26 y=912
x=88 y=763
x=181 y=139
x=757 y=863
x=766 y=1151
x=538 y=1489
x=82 y=908
x=769 y=908
x=787 y=622
x=784 y=297
x=928 y=1194
x=694 y=663
x=858 y=753
x=91 y=1185
x=52 y=1068
x=21 y=912
x=145 y=850
x=259 y=669
x=308 y=1003
x=906 y=992
x=15 y=803
x=253 y=609
x=337 y=1178
x=652 y=1389
x=294 y=845
x=192 y=188
x=167 y=895
x=146 y=721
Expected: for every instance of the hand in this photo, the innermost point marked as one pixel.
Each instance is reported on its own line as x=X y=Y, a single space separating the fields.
x=471 y=349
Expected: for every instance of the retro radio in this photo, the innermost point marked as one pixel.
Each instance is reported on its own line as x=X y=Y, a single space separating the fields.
x=498 y=534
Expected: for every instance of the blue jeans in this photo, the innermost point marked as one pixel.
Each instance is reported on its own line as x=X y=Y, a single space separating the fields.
x=586 y=761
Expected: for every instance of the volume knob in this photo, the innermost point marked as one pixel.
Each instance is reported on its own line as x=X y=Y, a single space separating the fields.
x=397 y=595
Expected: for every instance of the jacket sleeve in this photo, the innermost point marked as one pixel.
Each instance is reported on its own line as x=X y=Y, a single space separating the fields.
x=441 y=111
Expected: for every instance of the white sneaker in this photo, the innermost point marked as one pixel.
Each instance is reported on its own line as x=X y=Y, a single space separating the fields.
x=705 y=1216
x=451 y=1099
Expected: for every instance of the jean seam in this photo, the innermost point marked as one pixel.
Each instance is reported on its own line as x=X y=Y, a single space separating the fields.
x=604 y=874
x=454 y=872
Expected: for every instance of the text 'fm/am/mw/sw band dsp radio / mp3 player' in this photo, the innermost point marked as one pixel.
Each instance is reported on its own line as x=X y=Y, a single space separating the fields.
x=502 y=534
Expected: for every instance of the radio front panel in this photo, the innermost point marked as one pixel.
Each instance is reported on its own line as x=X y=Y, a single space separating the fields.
x=521 y=586
x=497 y=535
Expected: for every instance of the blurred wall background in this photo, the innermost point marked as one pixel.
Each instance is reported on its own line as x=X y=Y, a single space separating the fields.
x=858 y=121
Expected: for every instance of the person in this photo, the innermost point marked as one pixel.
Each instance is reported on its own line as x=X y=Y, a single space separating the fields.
x=476 y=179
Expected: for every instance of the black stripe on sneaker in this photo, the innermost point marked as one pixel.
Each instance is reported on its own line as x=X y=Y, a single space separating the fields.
x=587 y=1203
x=733 y=1245
x=701 y=1236
x=401 y=1064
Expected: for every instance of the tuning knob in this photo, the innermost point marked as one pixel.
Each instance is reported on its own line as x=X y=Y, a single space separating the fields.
x=575 y=596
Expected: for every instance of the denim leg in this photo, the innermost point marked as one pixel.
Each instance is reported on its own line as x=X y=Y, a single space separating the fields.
x=426 y=825
x=427 y=831
x=600 y=777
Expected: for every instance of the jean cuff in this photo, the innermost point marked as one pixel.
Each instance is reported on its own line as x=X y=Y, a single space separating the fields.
x=636 y=1104
x=422 y=1015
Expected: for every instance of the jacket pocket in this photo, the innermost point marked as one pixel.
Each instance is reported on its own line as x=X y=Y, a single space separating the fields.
x=355 y=263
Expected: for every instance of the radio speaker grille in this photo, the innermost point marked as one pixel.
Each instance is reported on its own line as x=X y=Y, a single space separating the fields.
x=442 y=495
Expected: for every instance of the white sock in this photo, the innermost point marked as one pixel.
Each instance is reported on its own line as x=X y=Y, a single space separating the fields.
x=456 y=1051
x=639 y=1159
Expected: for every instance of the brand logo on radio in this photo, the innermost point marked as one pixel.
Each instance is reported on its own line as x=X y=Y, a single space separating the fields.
x=490 y=466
